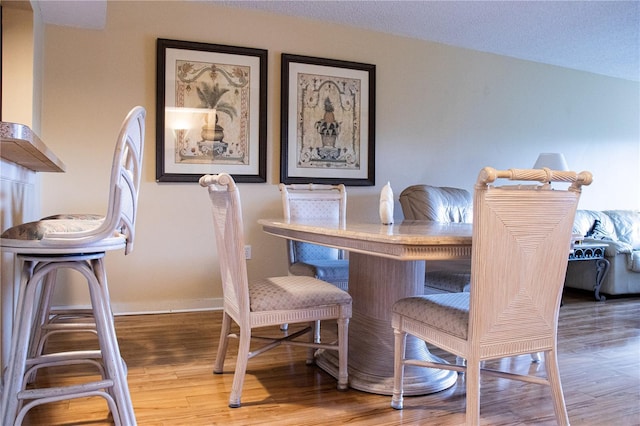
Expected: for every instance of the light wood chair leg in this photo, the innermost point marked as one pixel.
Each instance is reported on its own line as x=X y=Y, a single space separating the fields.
x=553 y=375
x=400 y=343
x=218 y=365
x=241 y=368
x=315 y=330
x=472 y=377
x=343 y=351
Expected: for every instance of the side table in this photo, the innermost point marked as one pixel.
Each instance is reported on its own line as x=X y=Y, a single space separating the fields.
x=592 y=252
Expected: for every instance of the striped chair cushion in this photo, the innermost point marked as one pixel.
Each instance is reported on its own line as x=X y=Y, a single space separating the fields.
x=448 y=312
x=293 y=292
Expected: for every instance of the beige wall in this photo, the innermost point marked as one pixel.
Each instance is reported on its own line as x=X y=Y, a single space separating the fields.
x=442 y=114
x=17 y=65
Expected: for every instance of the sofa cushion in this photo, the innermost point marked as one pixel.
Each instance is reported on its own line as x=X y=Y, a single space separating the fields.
x=585 y=219
x=597 y=232
x=437 y=203
x=627 y=226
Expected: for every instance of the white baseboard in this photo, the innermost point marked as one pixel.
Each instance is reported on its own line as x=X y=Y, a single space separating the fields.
x=164 y=307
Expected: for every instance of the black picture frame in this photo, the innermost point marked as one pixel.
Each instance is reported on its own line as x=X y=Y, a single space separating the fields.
x=327 y=121
x=199 y=84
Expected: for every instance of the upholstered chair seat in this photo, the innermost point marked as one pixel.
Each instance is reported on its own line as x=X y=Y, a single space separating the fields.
x=292 y=293
x=447 y=312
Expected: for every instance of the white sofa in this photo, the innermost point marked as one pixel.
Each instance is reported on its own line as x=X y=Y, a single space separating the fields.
x=620 y=231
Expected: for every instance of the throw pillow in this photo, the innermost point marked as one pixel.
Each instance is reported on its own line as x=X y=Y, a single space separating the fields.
x=597 y=232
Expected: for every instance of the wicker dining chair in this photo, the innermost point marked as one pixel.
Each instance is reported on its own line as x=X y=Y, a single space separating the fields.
x=313 y=201
x=267 y=301
x=521 y=243
x=43 y=248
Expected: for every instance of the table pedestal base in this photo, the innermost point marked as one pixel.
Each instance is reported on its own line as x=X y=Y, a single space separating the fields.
x=417 y=380
x=376 y=283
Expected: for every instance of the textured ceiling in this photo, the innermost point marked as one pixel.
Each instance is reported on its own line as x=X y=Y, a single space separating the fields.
x=601 y=37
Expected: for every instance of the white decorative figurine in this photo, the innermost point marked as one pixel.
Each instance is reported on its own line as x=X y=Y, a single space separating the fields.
x=386 y=205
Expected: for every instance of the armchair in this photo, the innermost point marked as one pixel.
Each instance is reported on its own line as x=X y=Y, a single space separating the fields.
x=440 y=204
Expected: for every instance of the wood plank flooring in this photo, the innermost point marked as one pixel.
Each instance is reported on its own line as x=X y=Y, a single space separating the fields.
x=170 y=359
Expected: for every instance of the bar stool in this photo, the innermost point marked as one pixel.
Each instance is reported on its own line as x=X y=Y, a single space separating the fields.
x=43 y=248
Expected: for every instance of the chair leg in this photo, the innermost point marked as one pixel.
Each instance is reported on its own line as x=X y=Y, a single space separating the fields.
x=553 y=375
x=15 y=394
x=343 y=353
x=53 y=322
x=42 y=316
x=311 y=351
x=218 y=365
x=400 y=344
x=43 y=320
x=316 y=332
x=116 y=390
x=473 y=392
x=23 y=322
x=241 y=368
x=105 y=327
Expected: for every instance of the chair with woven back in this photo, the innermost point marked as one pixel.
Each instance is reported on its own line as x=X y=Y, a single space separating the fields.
x=267 y=301
x=314 y=201
x=521 y=242
x=74 y=243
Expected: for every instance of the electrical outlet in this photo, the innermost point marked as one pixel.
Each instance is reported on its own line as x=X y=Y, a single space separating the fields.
x=247 y=252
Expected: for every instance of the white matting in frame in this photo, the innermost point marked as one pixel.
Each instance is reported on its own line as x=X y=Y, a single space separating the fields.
x=211 y=111
x=328 y=121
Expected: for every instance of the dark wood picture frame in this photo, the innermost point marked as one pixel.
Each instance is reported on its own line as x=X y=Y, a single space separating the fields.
x=211 y=111
x=327 y=121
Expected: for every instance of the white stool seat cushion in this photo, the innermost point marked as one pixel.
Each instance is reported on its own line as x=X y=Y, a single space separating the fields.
x=293 y=292
x=448 y=312
x=38 y=229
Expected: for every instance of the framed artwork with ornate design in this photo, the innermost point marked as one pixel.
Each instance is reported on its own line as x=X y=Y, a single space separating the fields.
x=210 y=111
x=327 y=121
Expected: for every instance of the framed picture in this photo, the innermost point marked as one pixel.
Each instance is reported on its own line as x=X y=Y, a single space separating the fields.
x=328 y=121
x=211 y=111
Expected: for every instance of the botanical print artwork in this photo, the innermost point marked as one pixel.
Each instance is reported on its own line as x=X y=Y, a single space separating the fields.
x=328 y=120
x=220 y=133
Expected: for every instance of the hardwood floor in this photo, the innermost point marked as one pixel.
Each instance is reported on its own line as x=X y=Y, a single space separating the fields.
x=170 y=360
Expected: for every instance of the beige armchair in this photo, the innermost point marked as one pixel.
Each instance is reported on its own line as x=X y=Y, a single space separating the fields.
x=440 y=204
